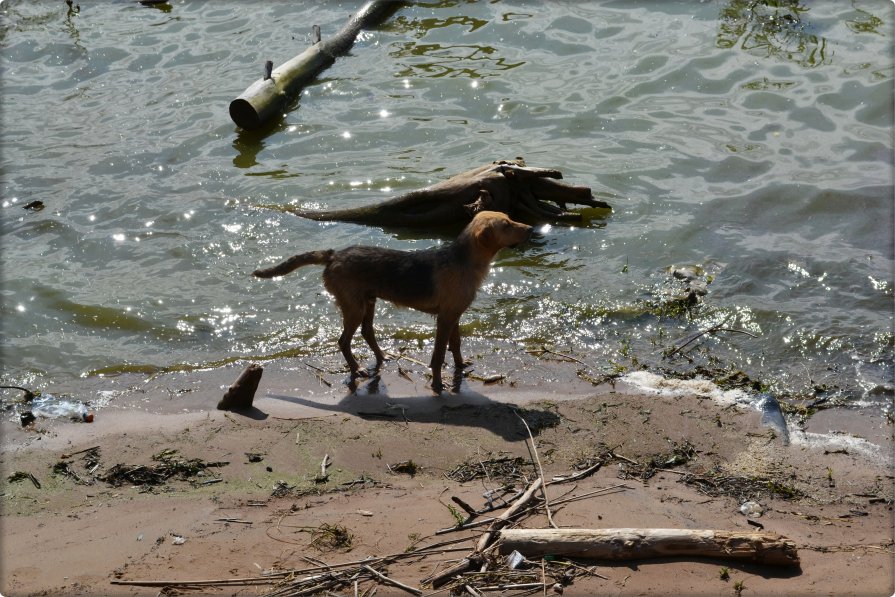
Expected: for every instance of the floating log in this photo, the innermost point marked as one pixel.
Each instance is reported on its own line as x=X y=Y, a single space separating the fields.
x=634 y=544
x=240 y=395
x=268 y=95
x=507 y=186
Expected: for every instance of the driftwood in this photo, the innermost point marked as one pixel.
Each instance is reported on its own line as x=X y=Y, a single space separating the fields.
x=240 y=395
x=505 y=186
x=268 y=95
x=634 y=544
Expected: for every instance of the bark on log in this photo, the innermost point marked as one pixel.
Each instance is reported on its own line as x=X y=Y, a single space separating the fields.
x=240 y=395
x=506 y=186
x=633 y=544
x=267 y=96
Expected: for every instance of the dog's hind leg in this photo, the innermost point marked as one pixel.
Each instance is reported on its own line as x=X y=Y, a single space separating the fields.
x=366 y=330
x=351 y=320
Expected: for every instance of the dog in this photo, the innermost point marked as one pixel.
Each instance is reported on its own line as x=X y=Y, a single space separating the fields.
x=442 y=281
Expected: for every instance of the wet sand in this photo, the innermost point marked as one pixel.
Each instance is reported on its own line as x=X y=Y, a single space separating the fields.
x=78 y=539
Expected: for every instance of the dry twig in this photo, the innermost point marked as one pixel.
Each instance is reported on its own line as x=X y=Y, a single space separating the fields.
x=537 y=460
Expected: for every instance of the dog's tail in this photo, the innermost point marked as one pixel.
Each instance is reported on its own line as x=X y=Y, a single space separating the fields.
x=295 y=262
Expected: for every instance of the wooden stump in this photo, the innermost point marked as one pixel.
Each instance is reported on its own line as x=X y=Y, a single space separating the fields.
x=240 y=395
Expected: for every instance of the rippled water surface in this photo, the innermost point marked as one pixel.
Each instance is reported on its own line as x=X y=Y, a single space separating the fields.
x=749 y=142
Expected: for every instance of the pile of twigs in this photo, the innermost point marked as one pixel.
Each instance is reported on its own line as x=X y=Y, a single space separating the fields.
x=679 y=454
x=169 y=466
x=714 y=484
x=504 y=468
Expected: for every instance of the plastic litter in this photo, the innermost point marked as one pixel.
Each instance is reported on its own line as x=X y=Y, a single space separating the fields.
x=752 y=509
x=514 y=560
x=51 y=407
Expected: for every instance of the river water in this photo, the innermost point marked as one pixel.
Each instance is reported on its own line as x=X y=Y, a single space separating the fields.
x=749 y=142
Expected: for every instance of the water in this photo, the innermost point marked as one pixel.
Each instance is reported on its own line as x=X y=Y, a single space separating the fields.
x=754 y=145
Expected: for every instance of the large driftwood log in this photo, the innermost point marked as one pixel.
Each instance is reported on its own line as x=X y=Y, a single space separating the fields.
x=505 y=186
x=267 y=96
x=634 y=544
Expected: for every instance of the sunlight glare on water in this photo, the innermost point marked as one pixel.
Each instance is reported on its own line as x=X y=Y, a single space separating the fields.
x=751 y=142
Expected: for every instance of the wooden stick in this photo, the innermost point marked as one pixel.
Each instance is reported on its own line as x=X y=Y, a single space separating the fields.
x=391 y=581
x=272 y=577
x=501 y=520
x=205 y=582
x=526 y=585
x=579 y=475
x=465 y=526
x=29 y=395
x=629 y=544
x=406 y=358
x=70 y=454
x=697 y=335
x=469 y=509
x=574 y=498
x=540 y=472
x=458 y=568
x=544 y=350
x=562 y=500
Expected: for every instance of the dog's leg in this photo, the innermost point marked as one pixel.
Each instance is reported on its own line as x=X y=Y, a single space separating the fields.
x=366 y=330
x=351 y=320
x=444 y=325
x=454 y=346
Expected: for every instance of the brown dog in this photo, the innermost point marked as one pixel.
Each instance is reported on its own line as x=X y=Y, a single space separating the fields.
x=442 y=281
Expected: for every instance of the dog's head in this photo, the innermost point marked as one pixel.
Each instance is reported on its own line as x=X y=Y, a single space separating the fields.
x=493 y=230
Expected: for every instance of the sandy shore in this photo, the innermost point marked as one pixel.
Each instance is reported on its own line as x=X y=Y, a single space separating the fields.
x=265 y=509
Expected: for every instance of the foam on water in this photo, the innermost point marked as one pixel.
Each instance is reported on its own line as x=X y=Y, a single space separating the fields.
x=670 y=388
x=832 y=442
x=645 y=381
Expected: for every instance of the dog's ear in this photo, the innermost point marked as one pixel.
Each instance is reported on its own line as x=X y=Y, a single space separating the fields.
x=485 y=238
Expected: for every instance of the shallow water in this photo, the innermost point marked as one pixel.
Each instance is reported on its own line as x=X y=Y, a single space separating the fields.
x=753 y=145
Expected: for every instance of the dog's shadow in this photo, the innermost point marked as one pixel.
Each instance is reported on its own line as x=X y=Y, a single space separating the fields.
x=464 y=408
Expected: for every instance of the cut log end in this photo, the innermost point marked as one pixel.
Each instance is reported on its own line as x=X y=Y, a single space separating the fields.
x=241 y=394
x=244 y=115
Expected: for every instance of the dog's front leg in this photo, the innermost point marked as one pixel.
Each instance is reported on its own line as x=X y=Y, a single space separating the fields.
x=444 y=326
x=454 y=346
